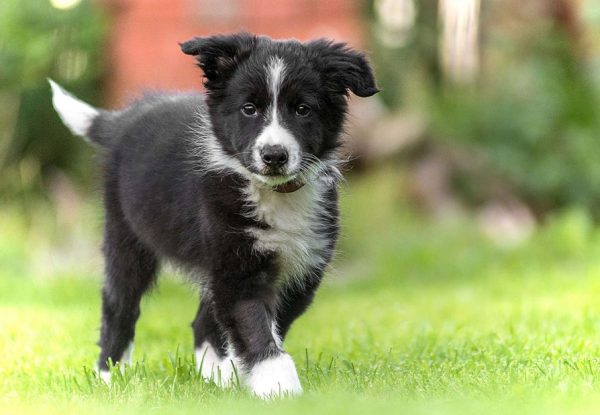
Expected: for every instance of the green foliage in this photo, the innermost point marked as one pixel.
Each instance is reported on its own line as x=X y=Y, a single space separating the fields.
x=38 y=41
x=529 y=126
x=535 y=125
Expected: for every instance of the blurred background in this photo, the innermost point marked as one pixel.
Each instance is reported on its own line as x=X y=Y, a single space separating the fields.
x=488 y=115
x=469 y=262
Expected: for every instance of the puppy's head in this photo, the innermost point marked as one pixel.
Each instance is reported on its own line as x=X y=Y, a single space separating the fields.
x=278 y=106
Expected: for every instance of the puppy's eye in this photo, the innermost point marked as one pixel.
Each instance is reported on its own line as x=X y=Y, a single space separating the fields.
x=302 y=110
x=249 y=110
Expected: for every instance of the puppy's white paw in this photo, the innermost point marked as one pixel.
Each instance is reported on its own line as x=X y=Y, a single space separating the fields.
x=274 y=377
x=104 y=375
x=214 y=368
x=125 y=360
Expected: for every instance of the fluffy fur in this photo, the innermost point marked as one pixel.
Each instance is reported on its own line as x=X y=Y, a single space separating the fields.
x=237 y=185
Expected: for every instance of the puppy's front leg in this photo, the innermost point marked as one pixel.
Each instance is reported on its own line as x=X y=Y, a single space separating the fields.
x=245 y=307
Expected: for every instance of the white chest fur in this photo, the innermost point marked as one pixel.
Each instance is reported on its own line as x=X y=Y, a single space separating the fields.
x=296 y=230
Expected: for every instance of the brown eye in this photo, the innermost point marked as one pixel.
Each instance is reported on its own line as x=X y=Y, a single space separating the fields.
x=249 y=110
x=302 y=110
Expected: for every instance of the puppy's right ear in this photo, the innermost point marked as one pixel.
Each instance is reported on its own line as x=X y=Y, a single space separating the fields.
x=219 y=55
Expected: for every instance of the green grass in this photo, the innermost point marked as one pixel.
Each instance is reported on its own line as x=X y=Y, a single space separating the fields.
x=416 y=317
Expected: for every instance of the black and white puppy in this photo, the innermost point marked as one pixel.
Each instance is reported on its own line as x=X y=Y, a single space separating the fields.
x=237 y=185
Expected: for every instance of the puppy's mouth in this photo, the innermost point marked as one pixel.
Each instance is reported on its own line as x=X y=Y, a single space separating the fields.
x=281 y=183
x=289 y=187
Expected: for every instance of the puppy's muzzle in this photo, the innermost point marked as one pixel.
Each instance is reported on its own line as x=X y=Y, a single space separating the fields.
x=275 y=157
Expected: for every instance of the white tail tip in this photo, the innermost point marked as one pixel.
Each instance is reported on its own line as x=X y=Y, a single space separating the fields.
x=76 y=114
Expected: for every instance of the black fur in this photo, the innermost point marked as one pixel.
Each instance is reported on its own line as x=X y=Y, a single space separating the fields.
x=165 y=198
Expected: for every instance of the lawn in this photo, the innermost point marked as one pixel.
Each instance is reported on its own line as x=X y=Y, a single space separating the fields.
x=417 y=316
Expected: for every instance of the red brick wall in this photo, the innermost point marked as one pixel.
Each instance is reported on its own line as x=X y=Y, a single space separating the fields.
x=143 y=49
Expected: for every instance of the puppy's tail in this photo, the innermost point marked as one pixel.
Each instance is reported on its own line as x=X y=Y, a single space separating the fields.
x=81 y=118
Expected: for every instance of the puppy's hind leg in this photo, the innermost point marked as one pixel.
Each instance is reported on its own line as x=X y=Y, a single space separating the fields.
x=130 y=269
x=210 y=343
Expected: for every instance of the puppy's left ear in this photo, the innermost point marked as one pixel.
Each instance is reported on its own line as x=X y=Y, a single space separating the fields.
x=219 y=55
x=343 y=67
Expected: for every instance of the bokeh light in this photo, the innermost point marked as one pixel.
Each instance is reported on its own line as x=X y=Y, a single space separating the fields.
x=64 y=4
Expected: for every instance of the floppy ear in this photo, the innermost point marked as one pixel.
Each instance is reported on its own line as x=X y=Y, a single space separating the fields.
x=219 y=55
x=344 y=68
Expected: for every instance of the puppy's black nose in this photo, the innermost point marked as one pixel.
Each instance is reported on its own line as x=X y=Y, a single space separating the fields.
x=274 y=155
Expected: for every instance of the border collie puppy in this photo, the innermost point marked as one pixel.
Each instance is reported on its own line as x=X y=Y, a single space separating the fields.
x=237 y=185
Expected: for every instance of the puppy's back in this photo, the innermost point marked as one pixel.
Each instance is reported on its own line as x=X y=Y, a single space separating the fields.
x=154 y=115
x=147 y=121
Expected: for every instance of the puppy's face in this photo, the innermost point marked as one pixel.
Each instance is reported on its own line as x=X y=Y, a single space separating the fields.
x=278 y=106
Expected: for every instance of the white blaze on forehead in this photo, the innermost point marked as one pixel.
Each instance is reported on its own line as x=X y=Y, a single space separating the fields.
x=275 y=73
x=275 y=133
